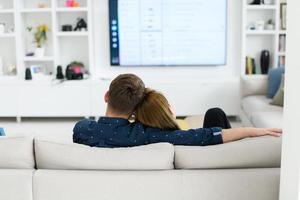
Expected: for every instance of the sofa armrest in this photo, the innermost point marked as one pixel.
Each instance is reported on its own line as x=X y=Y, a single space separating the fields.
x=254 y=85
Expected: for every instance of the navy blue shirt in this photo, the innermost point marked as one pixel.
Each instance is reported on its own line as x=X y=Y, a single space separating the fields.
x=118 y=132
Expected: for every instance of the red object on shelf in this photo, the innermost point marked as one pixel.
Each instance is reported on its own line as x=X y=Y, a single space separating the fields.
x=72 y=3
x=69 y=3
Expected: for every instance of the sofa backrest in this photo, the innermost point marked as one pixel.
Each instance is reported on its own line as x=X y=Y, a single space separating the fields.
x=54 y=155
x=16 y=153
x=20 y=153
x=255 y=85
x=264 y=152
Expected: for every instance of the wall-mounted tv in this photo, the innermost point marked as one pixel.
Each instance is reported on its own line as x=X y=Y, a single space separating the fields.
x=168 y=32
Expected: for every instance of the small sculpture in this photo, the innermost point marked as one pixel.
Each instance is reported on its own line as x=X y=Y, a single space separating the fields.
x=59 y=73
x=28 y=75
x=81 y=25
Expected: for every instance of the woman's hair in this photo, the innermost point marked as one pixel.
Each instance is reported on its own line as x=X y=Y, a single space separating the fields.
x=154 y=111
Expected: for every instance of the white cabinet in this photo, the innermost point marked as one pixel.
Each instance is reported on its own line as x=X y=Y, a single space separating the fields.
x=86 y=98
x=69 y=99
x=8 y=101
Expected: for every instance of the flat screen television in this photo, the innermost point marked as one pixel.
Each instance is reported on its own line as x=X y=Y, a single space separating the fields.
x=168 y=32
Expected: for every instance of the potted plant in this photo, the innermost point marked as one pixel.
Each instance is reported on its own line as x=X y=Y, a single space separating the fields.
x=40 y=38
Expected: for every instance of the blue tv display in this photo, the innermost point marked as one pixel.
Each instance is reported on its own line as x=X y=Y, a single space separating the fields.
x=168 y=32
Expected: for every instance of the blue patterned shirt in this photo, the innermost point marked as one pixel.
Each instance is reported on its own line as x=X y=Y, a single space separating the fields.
x=119 y=132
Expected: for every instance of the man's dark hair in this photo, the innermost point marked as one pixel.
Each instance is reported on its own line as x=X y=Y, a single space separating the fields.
x=125 y=93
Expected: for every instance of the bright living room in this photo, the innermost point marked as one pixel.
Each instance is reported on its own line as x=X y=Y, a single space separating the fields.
x=48 y=108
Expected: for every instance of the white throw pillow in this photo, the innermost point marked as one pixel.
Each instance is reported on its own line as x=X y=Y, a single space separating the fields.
x=54 y=155
x=16 y=153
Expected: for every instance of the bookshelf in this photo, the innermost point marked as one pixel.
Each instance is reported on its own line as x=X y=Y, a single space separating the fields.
x=256 y=40
x=61 y=47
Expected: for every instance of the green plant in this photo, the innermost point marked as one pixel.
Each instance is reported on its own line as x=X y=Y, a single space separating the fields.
x=40 y=35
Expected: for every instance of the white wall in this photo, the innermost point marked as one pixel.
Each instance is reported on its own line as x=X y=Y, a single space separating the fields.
x=231 y=69
x=290 y=169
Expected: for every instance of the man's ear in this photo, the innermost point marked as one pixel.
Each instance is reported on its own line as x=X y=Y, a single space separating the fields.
x=106 y=97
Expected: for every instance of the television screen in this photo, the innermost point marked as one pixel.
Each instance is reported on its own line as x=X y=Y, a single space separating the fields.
x=168 y=32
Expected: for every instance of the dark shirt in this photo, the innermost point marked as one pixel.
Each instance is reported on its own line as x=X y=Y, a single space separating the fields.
x=118 y=132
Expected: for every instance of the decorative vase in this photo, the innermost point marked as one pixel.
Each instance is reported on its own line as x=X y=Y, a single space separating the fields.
x=39 y=52
x=265 y=61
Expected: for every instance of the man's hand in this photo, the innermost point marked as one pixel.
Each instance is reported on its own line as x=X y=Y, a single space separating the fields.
x=257 y=132
x=230 y=135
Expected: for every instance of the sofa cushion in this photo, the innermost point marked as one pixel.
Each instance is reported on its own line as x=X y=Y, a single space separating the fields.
x=254 y=85
x=253 y=104
x=16 y=153
x=16 y=184
x=229 y=184
x=54 y=155
x=267 y=119
x=264 y=152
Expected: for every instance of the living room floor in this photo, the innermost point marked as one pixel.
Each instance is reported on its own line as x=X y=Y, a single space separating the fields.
x=64 y=126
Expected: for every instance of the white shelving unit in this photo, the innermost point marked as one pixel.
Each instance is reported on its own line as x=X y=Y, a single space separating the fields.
x=255 y=41
x=61 y=48
x=4 y=11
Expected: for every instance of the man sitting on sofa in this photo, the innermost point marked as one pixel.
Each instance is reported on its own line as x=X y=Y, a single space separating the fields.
x=115 y=130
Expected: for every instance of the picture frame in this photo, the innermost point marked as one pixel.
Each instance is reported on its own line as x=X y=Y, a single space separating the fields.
x=283 y=7
x=37 y=71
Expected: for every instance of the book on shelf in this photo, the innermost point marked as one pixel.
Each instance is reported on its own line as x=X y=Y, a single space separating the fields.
x=250 y=66
x=282 y=41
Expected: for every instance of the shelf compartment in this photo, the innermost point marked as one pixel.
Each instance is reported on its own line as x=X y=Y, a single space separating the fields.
x=70 y=18
x=35 y=4
x=6 y=5
x=62 y=3
x=73 y=49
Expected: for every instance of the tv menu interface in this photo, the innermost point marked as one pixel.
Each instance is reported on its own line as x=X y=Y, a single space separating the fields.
x=168 y=32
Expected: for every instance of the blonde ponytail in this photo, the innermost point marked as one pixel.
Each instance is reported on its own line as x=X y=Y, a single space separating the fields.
x=154 y=111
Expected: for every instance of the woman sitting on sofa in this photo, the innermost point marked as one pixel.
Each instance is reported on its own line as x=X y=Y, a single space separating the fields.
x=155 y=111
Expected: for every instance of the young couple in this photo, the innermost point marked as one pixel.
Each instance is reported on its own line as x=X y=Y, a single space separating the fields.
x=154 y=121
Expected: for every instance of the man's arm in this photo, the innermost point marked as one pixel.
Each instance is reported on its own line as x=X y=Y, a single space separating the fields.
x=209 y=136
x=192 y=137
x=230 y=135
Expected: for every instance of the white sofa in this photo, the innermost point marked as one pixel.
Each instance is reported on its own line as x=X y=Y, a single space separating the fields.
x=39 y=169
x=256 y=109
